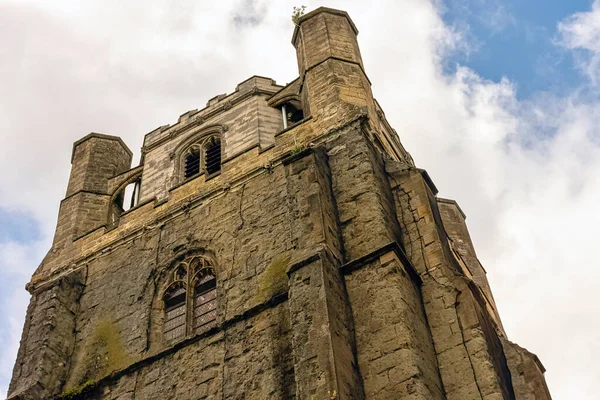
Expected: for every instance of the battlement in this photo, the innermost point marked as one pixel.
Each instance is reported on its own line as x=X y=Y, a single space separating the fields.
x=253 y=86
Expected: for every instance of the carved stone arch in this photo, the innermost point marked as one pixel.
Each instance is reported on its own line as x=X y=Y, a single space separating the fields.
x=116 y=183
x=197 y=139
x=288 y=98
x=114 y=209
x=176 y=284
x=181 y=278
x=132 y=178
x=196 y=251
x=201 y=274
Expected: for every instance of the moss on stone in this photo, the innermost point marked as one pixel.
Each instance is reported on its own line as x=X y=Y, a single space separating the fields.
x=274 y=278
x=78 y=391
x=106 y=335
x=104 y=353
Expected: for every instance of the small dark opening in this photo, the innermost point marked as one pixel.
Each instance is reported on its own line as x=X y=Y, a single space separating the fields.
x=294 y=114
x=192 y=163
x=213 y=155
x=119 y=201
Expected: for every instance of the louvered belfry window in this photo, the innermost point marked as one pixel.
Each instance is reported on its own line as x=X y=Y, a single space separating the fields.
x=192 y=162
x=203 y=156
x=190 y=300
x=212 y=155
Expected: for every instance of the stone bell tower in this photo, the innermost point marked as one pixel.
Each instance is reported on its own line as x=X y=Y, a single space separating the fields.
x=280 y=244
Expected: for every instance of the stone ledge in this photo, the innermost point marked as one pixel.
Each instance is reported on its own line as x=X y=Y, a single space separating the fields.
x=454 y=203
x=32 y=392
x=392 y=246
x=322 y=252
x=428 y=180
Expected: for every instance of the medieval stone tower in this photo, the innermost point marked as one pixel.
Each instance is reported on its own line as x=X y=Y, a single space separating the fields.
x=280 y=243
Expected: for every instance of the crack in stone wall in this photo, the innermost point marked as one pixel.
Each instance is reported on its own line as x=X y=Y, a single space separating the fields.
x=474 y=379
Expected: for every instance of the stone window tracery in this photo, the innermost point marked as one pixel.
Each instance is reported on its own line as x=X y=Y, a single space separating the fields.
x=203 y=156
x=190 y=300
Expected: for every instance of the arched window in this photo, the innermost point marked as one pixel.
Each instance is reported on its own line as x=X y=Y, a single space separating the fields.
x=190 y=300
x=175 y=299
x=202 y=156
x=205 y=298
x=124 y=198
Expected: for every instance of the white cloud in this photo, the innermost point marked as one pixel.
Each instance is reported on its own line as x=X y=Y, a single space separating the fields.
x=581 y=31
x=525 y=172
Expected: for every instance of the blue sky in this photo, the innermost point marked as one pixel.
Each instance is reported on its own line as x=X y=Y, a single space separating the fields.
x=18 y=227
x=517 y=39
x=497 y=99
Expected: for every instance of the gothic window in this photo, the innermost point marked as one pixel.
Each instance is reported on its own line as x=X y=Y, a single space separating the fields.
x=205 y=298
x=175 y=326
x=190 y=301
x=203 y=156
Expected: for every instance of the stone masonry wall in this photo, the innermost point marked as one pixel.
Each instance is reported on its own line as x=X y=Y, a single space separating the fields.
x=249 y=243
x=465 y=358
x=526 y=371
x=251 y=359
x=394 y=346
x=325 y=362
x=43 y=361
x=456 y=228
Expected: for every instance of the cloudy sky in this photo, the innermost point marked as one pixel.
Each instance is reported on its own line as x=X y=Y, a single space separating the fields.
x=497 y=99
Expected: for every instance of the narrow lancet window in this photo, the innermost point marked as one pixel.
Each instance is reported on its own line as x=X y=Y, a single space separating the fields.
x=205 y=300
x=192 y=162
x=212 y=151
x=175 y=312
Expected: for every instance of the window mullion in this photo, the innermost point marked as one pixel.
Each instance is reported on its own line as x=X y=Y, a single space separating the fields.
x=189 y=304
